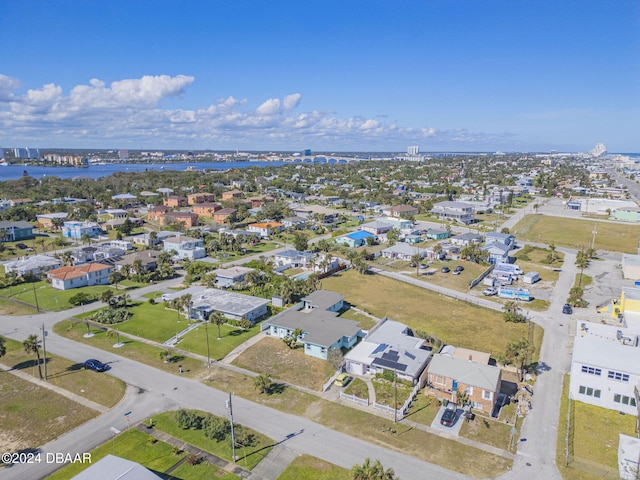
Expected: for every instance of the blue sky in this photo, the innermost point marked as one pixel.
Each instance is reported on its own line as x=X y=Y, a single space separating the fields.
x=327 y=75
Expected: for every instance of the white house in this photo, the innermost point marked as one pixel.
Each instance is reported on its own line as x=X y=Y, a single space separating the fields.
x=234 y=306
x=389 y=346
x=34 y=265
x=185 y=247
x=505 y=239
x=65 y=278
x=403 y=251
x=293 y=259
x=227 y=277
x=605 y=368
x=459 y=211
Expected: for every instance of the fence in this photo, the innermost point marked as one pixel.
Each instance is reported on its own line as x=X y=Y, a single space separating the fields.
x=475 y=282
x=353 y=398
x=326 y=386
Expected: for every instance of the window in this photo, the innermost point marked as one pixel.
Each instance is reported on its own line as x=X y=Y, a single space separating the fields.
x=468 y=390
x=623 y=399
x=439 y=380
x=487 y=395
x=591 y=370
x=621 y=377
x=591 y=392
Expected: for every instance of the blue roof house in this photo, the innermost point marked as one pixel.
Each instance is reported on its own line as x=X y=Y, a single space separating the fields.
x=354 y=239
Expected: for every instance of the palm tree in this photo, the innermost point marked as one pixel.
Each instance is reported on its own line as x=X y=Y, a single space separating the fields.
x=262 y=383
x=86 y=238
x=217 y=319
x=582 y=262
x=415 y=258
x=3 y=348
x=32 y=345
x=115 y=277
x=67 y=258
x=107 y=296
x=372 y=471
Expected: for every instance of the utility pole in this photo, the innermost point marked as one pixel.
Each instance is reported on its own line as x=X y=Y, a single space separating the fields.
x=233 y=437
x=33 y=285
x=44 y=349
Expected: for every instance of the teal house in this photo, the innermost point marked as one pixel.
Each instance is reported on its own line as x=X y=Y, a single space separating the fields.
x=14 y=231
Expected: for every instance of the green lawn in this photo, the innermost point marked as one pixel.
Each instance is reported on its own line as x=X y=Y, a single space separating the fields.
x=449 y=280
x=133 y=445
x=456 y=322
x=138 y=351
x=423 y=409
x=48 y=297
x=247 y=457
x=230 y=337
x=358 y=388
x=364 y=322
x=594 y=439
x=31 y=416
x=9 y=307
x=101 y=388
x=272 y=357
x=574 y=233
x=306 y=467
x=388 y=394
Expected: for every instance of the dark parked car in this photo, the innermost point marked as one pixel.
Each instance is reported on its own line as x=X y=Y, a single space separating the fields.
x=98 y=366
x=445 y=270
x=449 y=416
x=458 y=270
x=567 y=309
x=21 y=246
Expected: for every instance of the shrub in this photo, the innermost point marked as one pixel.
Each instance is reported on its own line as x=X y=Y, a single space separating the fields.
x=193 y=460
x=152 y=301
x=81 y=299
x=186 y=419
x=216 y=428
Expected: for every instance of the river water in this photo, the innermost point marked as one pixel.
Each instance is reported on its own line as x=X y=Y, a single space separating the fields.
x=13 y=172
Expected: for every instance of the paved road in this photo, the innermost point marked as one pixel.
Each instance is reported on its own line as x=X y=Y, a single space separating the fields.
x=152 y=391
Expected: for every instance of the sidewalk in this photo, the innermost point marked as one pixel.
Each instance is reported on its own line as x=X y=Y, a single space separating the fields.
x=193 y=450
x=61 y=391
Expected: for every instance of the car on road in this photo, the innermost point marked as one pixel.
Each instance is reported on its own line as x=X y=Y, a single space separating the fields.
x=97 y=365
x=341 y=380
x=490 y=291
x=449 y=415
x=445 y=270
x=458 y=270
x=423 y=265
x=566 y=309
x=21 y=246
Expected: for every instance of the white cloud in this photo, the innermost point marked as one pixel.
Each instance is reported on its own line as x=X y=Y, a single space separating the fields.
x=128 y=111
x=7 y=86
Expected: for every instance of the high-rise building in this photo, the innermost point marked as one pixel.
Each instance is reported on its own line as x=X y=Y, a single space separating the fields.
x=414 y=150
x=26 y=153
x=123 y=154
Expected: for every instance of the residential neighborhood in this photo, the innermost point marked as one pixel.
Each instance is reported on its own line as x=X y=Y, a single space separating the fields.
x=403 y=309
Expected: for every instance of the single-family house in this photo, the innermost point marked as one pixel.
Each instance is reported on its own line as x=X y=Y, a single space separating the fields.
x=206 y=209
x=228 y=277
x=48 y=221
x=605 y=367
x=354 y=239
x=259 y=200
x=202 y=197
x=437 y=234
x=75 y=229
x=175 y=201
x=221 y=216
x=377 y=227
x=398 y=211
x=294 y=222
x=65 y=278
x=265 y=229
x=403 y=251
x=187 y=219
x=12 y=231
x=116 y=467
x=466 y=239
x=234 y=306
x=291 y=258
x=147 y=259
x=458 y=211
x=316 y=315
x=35 y=265
x=469 y=372
x=389 y=346
x=504 y=238
x=498 y=252
x=185 y=247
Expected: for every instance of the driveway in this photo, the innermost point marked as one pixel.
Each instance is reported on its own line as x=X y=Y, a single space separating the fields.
x=453 y=429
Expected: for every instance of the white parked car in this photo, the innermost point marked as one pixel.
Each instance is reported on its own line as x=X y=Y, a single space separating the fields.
x=490 y=291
